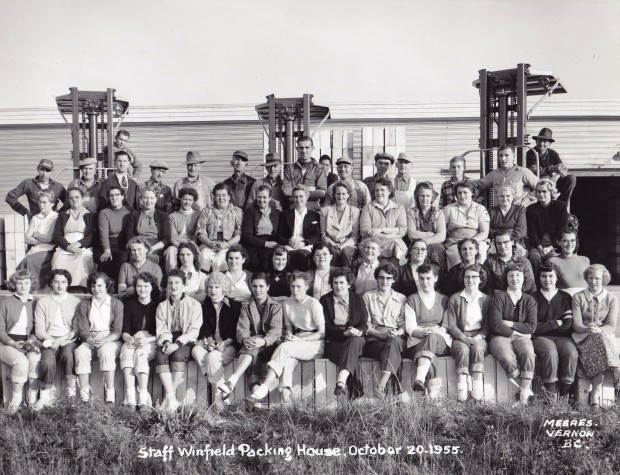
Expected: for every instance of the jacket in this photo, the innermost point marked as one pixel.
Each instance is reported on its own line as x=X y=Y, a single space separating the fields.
x=161 y=221
x=226 y=323
x=249 y=226
x=249 y=321
x=311 y=228
x=89 y=231
x=358 y=315
x=81 y=321
x=456 y=314
x=31 y=188
x=502 y=309
x=191 y=321
x=10 y=309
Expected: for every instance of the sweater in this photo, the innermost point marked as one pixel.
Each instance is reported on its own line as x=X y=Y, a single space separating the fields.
x=601 y=310
x=267 y=325
x=572 y=271
x=10 y=310
x=112 y=222
x=549 y=220
x=81 y=322
x=304 y=316
x=139 y=317
x=45 y=313
x=550 y=311
x=456 y=314
x=191 y=321
x=358 y=316
x=502 y=309
x=418 y=315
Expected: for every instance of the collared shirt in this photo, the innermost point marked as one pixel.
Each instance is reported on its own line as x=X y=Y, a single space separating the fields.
x=265 y=226
x=370 y=183
x=473 y=317
x=341 y=310
x=203 y=185
x=446 y=195
x=100 y=315
x=238 y=188
x=298 y=228
x=464 y=222
x=365 y=279
x=385 y=311
x=227 y=221
x=311 y=175
x=390 y=216
x=521 y=180
x=175 y=308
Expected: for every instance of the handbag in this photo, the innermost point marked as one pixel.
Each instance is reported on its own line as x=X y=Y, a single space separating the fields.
x=597 y=353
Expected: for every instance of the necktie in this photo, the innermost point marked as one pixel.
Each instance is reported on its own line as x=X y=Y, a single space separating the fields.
x=124 y=182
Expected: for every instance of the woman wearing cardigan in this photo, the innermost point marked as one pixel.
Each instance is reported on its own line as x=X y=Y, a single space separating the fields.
x=340 y=227
x=53 y=325
x=346 y=322
x=468 y=324
x=99 y=324
x=259 y=230
x=508 y=216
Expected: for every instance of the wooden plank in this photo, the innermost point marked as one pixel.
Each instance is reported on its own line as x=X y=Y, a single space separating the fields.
x=307 y=381
x=119 y=386
x=407 y=375
x=182 y=388
x=239 y=393
x=451 y=378
x=332 y=377
x=320 y=382
x=7 y=385
x=296 y=389
x=96 y=381
x=368 y=158
x=192 y=383
x=390 y=141
x=9 y=223
x=347 y=145
x=326 y=142
x=20 y=224
x=501 y=384
x=202 y=390
x=336 y=144
x=158 y=390
x=489 y=379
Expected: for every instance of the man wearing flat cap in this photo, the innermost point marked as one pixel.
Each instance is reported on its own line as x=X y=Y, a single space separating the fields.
x=359 y=196
x=272 y=180
x=404 y=183
x=89 y=183
x=550 y=165
x=162 y=191
x=31 y=188
x=305 y=171
x=239 y=183
x=383 y=162
x=202 y=184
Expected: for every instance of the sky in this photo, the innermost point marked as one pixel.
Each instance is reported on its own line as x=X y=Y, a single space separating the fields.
x=202 y=52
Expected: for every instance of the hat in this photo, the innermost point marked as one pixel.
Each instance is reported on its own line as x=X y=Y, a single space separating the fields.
x=242 y=155
x=545 y=134
x=46 y=163
x=83 y=162
x=159 y=164
x=272 y=159
x=385 y=156
x=405 y=157
x=346 y=160
x=193 y=157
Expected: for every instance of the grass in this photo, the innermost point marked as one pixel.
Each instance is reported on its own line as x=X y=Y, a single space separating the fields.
x=93 y=438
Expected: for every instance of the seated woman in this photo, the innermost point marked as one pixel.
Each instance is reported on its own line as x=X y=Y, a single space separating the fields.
x=112 y=225
x=218 y=228
x=365 y=267
x=427 y=222
x=239 y=277
x=17 y=348
x=468 y=324
x=554 y=348
x=545 y=221
x=150 y=223
x=138 y=249
x=259 y=229
x=469 y=252
x=182 y=225
x=299 y=229
x=258 y=332
x=570 y=265
x=427 y=330
x=177 y=322
x=465 y=219
x=304 y=338
x=99 y=324
x=507 y=252
x=188 y=261
x=319 y=277
x=512 y=321
x=53 y=325
x=386 y=326
x=340 y=226
x=508 y=216
x=595 y=312
x=140 y=342
x=73 y=234
x=346 y=322
x=407 y=280
x=217 y=343
x=279 y=287
x=40 y=236
x=386 y=221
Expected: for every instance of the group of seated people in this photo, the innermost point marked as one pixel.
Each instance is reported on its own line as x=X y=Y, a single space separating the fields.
x=281 y=270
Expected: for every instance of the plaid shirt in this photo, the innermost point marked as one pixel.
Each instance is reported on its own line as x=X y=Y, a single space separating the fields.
x=313 y=175
x=446 y=195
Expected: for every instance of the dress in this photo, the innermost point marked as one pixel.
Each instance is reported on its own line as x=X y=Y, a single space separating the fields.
x=38 y=260
x=70 y=229
x=434 y=222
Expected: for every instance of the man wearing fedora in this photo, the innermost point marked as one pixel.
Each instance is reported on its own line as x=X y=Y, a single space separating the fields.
x=89 y=183
x=239 y=183
x=201 y=183
x=360 y=196
x=550 y=165
x=120 y=179
x=383 y=162
x=272 y=180
x=31 y=187
x=162 y=191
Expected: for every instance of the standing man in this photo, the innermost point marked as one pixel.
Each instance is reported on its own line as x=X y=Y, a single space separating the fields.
x=360 y=196
x=383 y=162
x=457 y=171
x=163 y=192
x=239 y=183
x=31 y=187
x=326 y=163
x=520 y=179
x=202 y=184
x=120 y=145
x=120 y=179
x=273 y=180
x=89 y=183
x=550 y=165
x=305 y=171
x=404 y=183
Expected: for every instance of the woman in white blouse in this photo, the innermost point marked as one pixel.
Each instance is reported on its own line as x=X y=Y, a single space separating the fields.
x=188 y=260
x=340 y=226
x=319 y=277
x=240 y=278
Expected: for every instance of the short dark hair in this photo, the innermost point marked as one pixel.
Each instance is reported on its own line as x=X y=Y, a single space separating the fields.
x=121 y=152
x=518 y=266
x=319 y=246
x=325 y=157
x=463 y=184
x=341 y=272
x=76 y=188
x=117 y=188
x=193 y=249
x=339 y=184
x=549 y=267
x=220 y=187
x=507 y=147
x=92 y=280
x=176 y=273
x=263 y=187
x=260 y=276
x=54 y=272
x=123 y=132
x=385 y=181
x=388 y=268
x=297 y=274
x=151 y=279
x=237 y=248
x=426 y=268
x=305 y=138
x=479 y=268
x=188 y=190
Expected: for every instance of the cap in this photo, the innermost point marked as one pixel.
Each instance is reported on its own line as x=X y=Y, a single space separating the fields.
x=405 y=157
x=159 y=164
x=242 y=155
x=346 y=160
x=385 y=156
x=193 y=157
x=47 y=164
x=84 y=162
x=272 y=159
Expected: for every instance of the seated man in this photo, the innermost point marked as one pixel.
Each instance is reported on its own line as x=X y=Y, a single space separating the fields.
x=550 y=165
x=239 y=183
x=506 y=253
